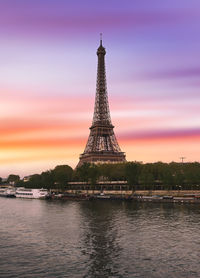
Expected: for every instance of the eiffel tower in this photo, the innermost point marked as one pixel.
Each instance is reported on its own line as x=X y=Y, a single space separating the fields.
x=102 y=145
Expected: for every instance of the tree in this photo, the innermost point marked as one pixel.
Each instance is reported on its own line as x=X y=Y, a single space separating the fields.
x=20 y=183
x=104 y=171
x=133 y=170
x=83 y=172
x=146 y=176
x=112 y=171
x=93 y=173
x=0 y=180
x=13 y=178
x=62 y=174
x=47 y=179
x=34 y=182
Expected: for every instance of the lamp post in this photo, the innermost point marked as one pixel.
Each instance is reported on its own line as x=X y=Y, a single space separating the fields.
x=182 y=158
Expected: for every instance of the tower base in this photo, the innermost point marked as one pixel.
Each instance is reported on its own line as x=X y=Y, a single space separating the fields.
x=102 y=157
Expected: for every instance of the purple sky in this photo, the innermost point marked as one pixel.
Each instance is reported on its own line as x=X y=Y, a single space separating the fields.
x=48 y=78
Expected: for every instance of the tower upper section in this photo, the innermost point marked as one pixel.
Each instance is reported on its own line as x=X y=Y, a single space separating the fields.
x=101 y=115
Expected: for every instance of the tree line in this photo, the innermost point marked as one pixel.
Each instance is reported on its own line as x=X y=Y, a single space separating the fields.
x=148 y=176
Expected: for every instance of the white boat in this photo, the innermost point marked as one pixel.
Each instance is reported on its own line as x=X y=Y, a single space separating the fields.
x=7 y=192
x=2 y=192
x=31 y=193
x=102 y=196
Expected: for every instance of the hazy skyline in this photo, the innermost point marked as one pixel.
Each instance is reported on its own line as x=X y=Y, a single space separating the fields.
x=48 y=79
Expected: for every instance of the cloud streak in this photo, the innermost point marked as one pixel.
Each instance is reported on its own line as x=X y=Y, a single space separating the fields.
x=44 y=23
x=162 y=134
x=172 y=74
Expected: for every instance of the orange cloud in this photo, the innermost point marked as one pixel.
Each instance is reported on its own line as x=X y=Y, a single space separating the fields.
x=41 y=143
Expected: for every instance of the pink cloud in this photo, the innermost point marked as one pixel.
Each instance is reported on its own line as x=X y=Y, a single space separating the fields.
x=172 y=74
x=161 y=135
x=26 y=22
x=47 y=104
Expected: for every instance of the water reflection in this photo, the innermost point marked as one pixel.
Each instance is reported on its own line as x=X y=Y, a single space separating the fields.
x=140 y=239
x=101 y=241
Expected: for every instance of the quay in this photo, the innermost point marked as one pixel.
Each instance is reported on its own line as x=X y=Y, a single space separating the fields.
x=121 y=190
x=85 y=192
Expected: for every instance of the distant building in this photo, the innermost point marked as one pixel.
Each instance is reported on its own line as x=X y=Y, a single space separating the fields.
x=26 y=178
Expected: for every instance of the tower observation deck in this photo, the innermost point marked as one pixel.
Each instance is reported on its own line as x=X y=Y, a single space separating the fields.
x=102 y=145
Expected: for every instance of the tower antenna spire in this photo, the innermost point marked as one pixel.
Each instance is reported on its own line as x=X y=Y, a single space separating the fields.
x=101 y=39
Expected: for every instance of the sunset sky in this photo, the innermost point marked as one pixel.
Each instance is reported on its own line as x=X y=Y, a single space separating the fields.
x=48 y=67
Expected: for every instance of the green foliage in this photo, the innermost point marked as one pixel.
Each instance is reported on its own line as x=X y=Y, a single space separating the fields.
x=147 y=176
x=139 y=176
x=56 y=178
x=90 y=172
x=20 y=183
x=132 y=171
x=62 y=174
x=47 y=179
x=93 y=174
x=13 y=178
x=34 y=182
x=83 y=172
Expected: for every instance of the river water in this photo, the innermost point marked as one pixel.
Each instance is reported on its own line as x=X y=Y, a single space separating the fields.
x=60 y=239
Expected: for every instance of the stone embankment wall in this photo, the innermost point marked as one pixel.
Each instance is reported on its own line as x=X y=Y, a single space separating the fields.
x=175 y=193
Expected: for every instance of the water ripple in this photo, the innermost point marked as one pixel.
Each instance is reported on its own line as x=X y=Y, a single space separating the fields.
x=98 y=239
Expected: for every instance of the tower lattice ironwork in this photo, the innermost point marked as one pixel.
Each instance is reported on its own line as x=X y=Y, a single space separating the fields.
x=102 y=145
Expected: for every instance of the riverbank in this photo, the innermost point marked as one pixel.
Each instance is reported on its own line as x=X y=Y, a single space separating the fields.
x=178 y=196
x=174 y=193
x=183 y=196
